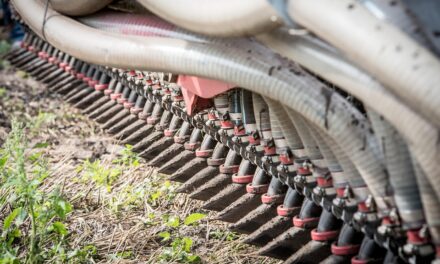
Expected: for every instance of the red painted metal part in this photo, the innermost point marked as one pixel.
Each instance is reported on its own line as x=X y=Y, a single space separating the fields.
x=196 y=90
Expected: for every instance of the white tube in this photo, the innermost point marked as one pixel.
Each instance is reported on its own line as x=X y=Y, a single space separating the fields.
x=217 y=18
x=404 y=66
x=420 y=134
x=78 y=7
x=269 y=76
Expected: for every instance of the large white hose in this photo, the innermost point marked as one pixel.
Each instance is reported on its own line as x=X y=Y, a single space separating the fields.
x=395 y=59
x=78 y=7
x=399 y=62
x=420 y=134
x=217 y=18
x=271 y=77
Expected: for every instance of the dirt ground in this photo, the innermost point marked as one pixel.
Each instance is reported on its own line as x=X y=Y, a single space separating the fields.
x=127 y=219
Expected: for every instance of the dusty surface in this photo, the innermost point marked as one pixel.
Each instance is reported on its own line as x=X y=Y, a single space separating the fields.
x=121 y=219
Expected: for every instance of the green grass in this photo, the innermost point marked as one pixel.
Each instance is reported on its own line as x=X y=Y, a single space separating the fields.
x=111 y=208
x=33 y=229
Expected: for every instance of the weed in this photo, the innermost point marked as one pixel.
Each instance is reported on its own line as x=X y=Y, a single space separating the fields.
x=22 y=74
x=128 y=198
x=179 y=249
x=4 y=47
x=99 y=174
x=38 y=121
x=223 y=235
x=192 y=219
x=33 y=230
x=128 y=254
x=128 y=157
x=2 y=91
x=83 y=254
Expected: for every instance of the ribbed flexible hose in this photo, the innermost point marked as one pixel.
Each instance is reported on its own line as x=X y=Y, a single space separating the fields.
x=277 y=132
x=310 y=145
x=404 y=66
x=340 y=180
x=350 y=172
x=217 y=18
x=420 y=134
x=430 y=203
x=402 y=178
x=288 y=130
x=287 y=84
x=305 y=12
x=248 y=112
x=261 y=112
x=78 y=7
x=140 y=25
x=330 y=158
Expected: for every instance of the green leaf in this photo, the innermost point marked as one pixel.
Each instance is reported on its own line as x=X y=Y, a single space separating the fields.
x=187 y=244
x=165 y=235
x=12 y=235
x=34 y=157
x=193 y=218
x=60 y=228
x=173 y=221
x=155 y=196
x=19 y=220
x=3 y=160
x=193 y=259
x=10 y=218
x=41 y=145
x=2 y=91
x=167 y=184
x=62 y=208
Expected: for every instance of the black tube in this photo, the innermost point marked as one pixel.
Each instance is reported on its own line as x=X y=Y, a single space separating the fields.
x=293 y=199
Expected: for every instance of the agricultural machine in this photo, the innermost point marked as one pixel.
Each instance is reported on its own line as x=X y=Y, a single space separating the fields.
x=310 y=125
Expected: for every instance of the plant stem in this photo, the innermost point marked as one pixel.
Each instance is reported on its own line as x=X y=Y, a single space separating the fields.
x=33 y=233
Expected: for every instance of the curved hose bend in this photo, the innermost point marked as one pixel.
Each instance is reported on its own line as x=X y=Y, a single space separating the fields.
x=388 y=54
x=287 y=84
x=225 y=18
x=78 y=7
x=419 y=133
